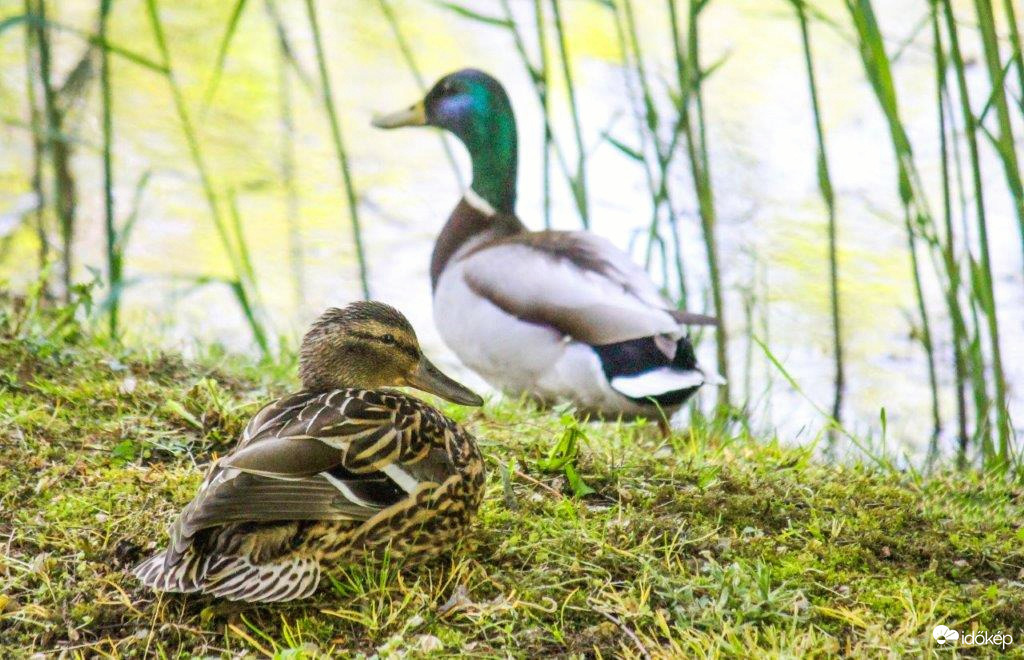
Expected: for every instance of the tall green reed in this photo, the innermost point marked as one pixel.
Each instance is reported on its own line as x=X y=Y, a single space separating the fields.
x=286 y=166
x=1003 y=140
x=222 y=54
x=55 y=150
x=918 y=221
x=1015 y=42
x=579 y=179
x=337 y=140
x=240 y=284
x=114 y=263
x=975 y=320
x=289 y=69
x=949 y=252
x=545 y=104
x=981 y=276
x=690 y=104
x=540 y=77
x=829 y=199
x=648 y=121
x=37 y=182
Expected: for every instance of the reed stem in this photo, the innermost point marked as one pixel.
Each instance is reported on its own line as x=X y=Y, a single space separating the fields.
x=973 y=334
x=38 y=150
x=540 y=77
x=828 y=197
x=579 y=179
x=922 y=310
x=984 y=288
x=114 y=261
x=53 y=134
x=296 y=253
x=1015 y=42
x=648 y=121
x=1004 y=139
x=238 y=285
x=958 y=328
x=339 y=148
x=916 y=217
x=688 y=72
x=545 y=106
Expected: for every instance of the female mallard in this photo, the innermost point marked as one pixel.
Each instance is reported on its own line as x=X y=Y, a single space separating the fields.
x=339 y=469
x=560 y=315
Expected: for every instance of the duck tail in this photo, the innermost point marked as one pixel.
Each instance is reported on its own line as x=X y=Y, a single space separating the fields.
x=233 y=578
x=163 y=574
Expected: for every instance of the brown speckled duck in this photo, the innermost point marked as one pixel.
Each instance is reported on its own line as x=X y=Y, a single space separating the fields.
x=340 y=469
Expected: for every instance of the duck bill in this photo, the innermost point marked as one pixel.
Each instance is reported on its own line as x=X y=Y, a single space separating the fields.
x=429 y=378
x=414 y=115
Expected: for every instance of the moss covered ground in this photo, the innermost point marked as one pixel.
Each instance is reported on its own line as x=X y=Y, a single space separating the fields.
x=710 y=543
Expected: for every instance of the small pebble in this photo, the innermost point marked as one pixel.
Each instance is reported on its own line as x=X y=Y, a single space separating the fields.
x=429 y=643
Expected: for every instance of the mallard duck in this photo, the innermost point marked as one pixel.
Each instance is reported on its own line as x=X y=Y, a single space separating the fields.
x=337 y=470
x=560 y=315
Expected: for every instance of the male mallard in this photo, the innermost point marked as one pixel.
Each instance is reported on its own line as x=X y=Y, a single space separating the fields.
x=561 y=315
x=337 y=470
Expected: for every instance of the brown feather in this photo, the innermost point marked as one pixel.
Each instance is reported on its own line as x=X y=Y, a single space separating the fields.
x=465 y=223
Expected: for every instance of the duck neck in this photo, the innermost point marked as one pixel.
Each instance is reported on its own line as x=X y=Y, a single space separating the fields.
x=487 y=211
x=488 y=131
x=316 y=376
x=495 y=162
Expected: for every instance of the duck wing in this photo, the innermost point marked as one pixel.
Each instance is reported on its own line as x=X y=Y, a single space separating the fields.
x=341 y=455
x=575 y=282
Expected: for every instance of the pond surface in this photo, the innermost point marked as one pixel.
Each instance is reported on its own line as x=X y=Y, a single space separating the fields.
x=772 y=222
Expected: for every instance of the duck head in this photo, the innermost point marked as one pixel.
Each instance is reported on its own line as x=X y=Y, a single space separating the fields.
x=474 y=107
x=368 y=345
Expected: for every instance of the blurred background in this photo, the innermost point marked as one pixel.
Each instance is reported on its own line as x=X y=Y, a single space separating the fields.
x=211 y=166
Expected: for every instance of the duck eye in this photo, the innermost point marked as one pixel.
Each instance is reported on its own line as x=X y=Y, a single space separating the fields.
x=388 y=339
x=447 y=87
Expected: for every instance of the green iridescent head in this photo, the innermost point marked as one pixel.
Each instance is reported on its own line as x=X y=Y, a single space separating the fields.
x=474 y=107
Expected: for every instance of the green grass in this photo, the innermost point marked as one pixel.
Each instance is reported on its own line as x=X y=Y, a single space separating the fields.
x=710 y=543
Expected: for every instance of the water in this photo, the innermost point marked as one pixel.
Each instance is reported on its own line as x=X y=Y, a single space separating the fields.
x=772 y=224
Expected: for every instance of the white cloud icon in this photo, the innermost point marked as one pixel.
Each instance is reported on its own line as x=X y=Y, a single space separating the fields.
x=943 y=634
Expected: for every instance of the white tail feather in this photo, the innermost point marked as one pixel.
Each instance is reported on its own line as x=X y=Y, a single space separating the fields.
x=657 y=381
x=233 y=578
x=183 y=577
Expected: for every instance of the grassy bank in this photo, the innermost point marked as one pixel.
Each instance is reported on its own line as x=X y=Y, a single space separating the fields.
x=710 y=542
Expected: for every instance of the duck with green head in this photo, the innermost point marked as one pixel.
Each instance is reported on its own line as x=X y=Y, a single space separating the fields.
x=560 y=315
